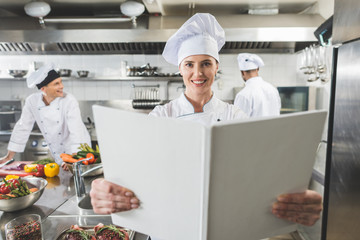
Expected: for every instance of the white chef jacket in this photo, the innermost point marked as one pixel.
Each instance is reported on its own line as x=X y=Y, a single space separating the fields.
x=214 y=110
x=258 y=98
x=60 y=123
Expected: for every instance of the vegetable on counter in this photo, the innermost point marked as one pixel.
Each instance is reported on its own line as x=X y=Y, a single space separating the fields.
x=51 y=169
x=8 y=177
x=68 y=158
x=30 y=168
x=44 y=161
x=86 y=152
x=14 y=188
x=37 y=169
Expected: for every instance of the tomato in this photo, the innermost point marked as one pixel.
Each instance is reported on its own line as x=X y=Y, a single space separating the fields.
x=5 y=189
x=91 y=158
x=14 y=182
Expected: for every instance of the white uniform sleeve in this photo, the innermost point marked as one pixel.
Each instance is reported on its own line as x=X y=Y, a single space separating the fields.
x=22 y=129
x=243 y=103
x=77 y=129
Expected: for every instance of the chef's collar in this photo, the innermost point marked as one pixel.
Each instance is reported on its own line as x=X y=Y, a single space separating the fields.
x=189 y=108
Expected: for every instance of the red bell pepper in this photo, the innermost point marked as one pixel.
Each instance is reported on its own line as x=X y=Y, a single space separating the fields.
x=40 y=171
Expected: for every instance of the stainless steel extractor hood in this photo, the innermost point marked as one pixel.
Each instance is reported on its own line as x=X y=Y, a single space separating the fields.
x=252 y=33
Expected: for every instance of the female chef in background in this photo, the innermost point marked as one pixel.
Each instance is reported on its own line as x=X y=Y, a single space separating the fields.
x=194 y=48
x=56 y=113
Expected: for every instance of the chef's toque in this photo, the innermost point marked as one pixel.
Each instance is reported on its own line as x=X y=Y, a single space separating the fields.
x=42 y=77
x=201 y=34
x=248 y=61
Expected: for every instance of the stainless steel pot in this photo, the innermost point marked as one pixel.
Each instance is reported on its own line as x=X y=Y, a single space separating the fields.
x=36 y=148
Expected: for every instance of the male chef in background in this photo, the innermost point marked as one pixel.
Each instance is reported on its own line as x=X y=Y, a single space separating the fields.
x=56 y=113
x=258 y=98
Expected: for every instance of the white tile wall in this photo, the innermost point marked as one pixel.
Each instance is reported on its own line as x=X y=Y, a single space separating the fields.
x=279 y=69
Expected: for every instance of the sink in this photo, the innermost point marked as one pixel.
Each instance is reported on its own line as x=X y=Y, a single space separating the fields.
x=85 y=203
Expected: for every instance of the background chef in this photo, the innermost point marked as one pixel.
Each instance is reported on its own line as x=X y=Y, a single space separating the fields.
x=198 y=62
x=258 y=98
x=56 y=113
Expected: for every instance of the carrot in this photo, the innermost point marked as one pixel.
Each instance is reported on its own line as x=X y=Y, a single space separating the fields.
x=33 y=189
x=10 y=195
x=68 y=158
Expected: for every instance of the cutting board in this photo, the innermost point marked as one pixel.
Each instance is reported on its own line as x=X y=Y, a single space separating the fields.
x=6 y=169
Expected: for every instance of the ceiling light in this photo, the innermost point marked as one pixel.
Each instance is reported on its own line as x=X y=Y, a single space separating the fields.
x=37 y=9
x=267 y=11
x=132 y=9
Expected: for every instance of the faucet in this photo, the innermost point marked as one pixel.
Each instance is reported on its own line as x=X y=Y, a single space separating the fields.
x=78 y=177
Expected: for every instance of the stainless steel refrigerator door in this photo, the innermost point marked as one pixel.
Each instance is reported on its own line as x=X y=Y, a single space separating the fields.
x=343 y=219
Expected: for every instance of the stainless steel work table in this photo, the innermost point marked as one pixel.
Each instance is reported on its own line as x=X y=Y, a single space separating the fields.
x=58 y=208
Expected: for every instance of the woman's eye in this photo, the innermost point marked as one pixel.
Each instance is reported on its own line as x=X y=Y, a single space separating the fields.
x=189 y=64
x=207 y=64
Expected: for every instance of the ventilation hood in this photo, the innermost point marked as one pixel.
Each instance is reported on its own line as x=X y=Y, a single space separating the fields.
x=284 y=33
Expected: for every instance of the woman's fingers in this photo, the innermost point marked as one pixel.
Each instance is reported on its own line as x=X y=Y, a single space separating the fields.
x=107 y=197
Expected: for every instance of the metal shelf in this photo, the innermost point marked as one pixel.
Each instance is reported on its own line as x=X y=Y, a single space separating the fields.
x=166 y=79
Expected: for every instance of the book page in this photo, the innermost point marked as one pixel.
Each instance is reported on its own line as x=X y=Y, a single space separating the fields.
x=160 y=159
x=252 y=162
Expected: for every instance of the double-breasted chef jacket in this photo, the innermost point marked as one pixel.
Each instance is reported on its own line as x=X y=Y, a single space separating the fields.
x=259 y=98
x=60 y=123
x=214 y=111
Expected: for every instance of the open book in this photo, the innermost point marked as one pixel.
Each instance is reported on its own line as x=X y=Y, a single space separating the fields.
x=214 y=182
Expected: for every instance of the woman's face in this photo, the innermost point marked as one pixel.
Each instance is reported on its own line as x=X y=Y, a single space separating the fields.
x=198 y=72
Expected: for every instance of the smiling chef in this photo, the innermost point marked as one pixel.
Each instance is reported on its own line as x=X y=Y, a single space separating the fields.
x=56 y=113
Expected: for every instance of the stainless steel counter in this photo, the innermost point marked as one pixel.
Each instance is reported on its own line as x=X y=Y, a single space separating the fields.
x=58 y=208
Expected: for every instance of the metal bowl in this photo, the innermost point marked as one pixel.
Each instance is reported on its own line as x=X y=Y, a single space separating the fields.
x=18 y=73
x=84 y=168
x=64 y=72
x=15 y=204
x=83 y=73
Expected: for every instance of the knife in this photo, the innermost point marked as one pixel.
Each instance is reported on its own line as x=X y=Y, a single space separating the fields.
x=7 y=162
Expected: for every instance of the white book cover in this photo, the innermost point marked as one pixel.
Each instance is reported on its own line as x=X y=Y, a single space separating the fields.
x=207 y=182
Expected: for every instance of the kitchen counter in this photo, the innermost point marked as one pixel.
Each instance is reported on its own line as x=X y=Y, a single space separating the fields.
x=58 y=208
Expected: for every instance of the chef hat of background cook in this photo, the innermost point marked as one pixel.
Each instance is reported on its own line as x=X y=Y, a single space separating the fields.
x=248 y=61
x=42 y=77
x=201 y=34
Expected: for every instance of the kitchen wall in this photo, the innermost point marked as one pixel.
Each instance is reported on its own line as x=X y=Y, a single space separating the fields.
x=279 y=69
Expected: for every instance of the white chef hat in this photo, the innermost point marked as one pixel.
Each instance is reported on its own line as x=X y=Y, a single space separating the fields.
x=42 y=76
x=248 y=61
x=201 y=34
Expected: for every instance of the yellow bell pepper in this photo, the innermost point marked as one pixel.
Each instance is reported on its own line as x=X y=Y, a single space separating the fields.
x=51 y=169
x=30 y=168
x=8 y=177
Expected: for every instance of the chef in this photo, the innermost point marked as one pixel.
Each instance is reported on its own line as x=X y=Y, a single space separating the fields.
x=56 y=113
x=194 y=49
x=258 y=98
